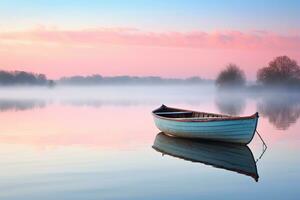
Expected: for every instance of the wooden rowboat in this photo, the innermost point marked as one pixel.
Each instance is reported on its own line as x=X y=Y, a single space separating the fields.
x=202 y=125
x=232 y=157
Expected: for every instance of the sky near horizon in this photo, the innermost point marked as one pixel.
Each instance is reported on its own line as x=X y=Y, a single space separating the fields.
x=170 y=38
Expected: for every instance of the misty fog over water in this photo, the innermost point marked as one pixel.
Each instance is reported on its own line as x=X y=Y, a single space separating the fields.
x=281 y=111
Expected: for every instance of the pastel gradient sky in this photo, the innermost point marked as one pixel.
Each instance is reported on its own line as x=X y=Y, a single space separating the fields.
x=170 y=38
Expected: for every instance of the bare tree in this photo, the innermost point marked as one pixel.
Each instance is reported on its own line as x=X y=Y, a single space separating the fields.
x=231 y=77
x=280 y=71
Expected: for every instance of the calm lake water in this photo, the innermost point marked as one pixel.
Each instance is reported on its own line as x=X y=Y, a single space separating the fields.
x=96 y=143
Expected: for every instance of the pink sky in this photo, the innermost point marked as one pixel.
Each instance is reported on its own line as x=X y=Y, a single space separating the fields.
x=129 y=51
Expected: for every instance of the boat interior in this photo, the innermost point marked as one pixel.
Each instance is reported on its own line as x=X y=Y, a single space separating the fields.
x=165 y=111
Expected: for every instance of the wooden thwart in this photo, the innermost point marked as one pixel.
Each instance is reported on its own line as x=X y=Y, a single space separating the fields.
x=172 y=113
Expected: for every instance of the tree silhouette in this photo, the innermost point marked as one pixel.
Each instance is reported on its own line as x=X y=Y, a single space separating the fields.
x=280 y=71
x=231 y=77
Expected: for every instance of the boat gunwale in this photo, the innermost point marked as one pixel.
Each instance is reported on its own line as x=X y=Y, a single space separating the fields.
x=223 y=118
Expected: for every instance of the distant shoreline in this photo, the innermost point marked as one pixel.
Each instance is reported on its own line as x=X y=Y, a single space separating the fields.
x=22 y=78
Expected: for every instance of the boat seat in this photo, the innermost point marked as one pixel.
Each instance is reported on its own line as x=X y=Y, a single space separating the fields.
x=196 y=118
x=172 y=113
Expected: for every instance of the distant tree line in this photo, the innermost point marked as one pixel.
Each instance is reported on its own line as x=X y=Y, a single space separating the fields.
x=23 y=78
x=128 y=80
x=28 y=78
x=281 y=72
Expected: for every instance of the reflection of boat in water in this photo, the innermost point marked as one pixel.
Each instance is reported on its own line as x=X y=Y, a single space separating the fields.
x=192 y=124
x=237 y=158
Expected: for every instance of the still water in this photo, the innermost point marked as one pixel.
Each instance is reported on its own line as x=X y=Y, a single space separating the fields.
x=96 y=143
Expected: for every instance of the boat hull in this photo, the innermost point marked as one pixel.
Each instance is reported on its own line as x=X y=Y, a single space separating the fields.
x=235 y=131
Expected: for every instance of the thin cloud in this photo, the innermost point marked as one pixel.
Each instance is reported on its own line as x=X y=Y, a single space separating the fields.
x=130 y=36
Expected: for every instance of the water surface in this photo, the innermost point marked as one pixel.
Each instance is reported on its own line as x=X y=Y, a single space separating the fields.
x=96 y=143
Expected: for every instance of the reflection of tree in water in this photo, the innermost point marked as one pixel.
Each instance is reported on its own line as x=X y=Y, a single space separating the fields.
x=19 y=105
x=231 y=104
x=281 y=111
